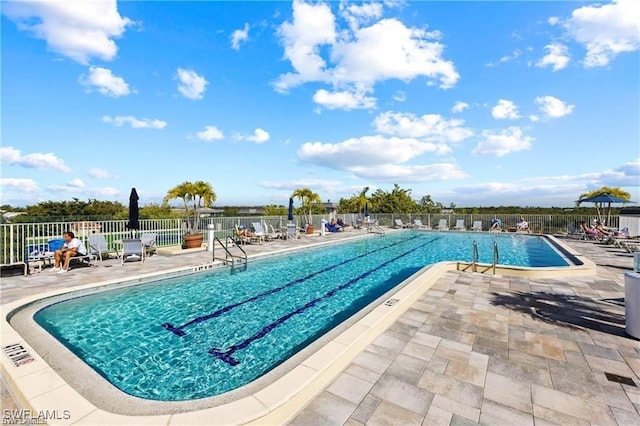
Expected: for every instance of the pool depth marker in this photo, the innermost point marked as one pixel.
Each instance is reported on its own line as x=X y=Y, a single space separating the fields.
x=227 y=356
x=178 y=331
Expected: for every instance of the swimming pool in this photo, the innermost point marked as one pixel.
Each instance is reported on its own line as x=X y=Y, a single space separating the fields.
x=206 y=334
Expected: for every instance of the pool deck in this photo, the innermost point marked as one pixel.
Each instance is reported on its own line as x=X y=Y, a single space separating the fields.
x=472 y=349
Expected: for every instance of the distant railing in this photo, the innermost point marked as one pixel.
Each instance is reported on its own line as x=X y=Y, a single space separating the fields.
x=19 y=239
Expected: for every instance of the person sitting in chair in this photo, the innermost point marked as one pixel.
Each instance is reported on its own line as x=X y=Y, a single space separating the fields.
x=496 y=223
x=242 y=231
x=602 y=229
x=72 y=247
x=340 y=222
x=590 y=230
x=523 y=226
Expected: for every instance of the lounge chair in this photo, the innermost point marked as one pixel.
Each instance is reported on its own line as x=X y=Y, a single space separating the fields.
x=417 y=223
x=259 y=233
x=132 y=248
x=149 y=242
x=496 y=225
x=477 y=225
x=573 y=231
x=460 y=225
x=442 y=225
x=39 y=254
x=277 y=234
x=333 y=228
x=399 y=224
x=97 y=246
x=292 y=231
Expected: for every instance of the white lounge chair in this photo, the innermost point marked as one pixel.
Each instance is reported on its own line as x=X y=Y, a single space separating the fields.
x=149 y=242
x=477 y=225
x=460 y=225
x=132 y=249
x=419 y=225
x=442 y=225
x=399 y=224
x=260 y=233
x=97 y=246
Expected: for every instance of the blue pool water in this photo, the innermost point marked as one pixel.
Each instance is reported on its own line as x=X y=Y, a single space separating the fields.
x=208 y=333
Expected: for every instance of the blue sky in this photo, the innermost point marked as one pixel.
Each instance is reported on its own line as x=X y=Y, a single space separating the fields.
x=475 y=103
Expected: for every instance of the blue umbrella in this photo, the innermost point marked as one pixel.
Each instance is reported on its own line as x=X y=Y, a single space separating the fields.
x=604 y=198
x=290 y=217
x=366 y=209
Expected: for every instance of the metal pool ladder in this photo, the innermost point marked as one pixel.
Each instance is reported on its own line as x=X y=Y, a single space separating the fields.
x=375 y=228
x=496 y=256
x=230 y=257
x=474 y=257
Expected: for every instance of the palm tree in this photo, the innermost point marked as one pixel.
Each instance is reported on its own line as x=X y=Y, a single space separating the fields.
x=194 y=196
x=605 y=190
x=307 y=197
x=361 y=199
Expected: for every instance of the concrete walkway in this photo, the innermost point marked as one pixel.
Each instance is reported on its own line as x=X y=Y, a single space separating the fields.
x=498 y=351
x=473 y=349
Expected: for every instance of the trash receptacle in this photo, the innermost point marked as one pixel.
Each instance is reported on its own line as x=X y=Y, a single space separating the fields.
x=323 y=227
x=632 y=304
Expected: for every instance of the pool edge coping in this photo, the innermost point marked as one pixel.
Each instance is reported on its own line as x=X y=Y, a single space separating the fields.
x=277 y=402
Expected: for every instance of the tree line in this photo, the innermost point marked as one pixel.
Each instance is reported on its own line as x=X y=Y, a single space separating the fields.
x=396 y=200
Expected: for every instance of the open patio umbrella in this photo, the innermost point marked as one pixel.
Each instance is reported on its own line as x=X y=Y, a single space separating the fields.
x=134 y=223
x=599 y=200
x=290 y=217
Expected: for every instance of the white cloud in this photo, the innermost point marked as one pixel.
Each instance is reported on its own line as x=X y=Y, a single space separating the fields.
x=606 y=30
x=459 y=107
x=358 y=57
x=429 y=127
x=557 y=57
x=76 y=183
x=18 y=184
x=345 y=100
x=36 y=160
x=400 y=96
x=553 y=107
x=503 y=142
x=356 y=15
x=210 y=133
x=105 y=82
x=77 y=29
x=534 y=118
x=239 y=36
x=97 y=173
x=259 y=136
x=411 y=173
x=506 y=58
x=191 y=85
x=505 y=109
x=366 y=151
x=144 y=123
x=554 y=20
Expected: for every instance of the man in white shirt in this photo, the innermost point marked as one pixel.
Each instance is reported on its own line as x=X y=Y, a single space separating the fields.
x=71 y=247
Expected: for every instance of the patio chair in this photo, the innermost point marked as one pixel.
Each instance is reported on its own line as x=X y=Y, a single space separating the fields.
x=39 y=254
x=97 y=246
x=477 y=225
x=277 y=234
x=399 y=224
x=572 y=231
x=417 y=223
x=442 y=225
x=149 y=242
x=292 y=230
x=132 y=248
x=259 y=234
x=460 y=225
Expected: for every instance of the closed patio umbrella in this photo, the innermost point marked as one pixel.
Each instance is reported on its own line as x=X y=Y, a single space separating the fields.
x=366 y=209
x=290 y=217
x=134 y=223
x=604 y=198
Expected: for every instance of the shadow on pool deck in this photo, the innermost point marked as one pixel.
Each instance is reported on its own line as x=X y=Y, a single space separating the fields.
x=566 y=310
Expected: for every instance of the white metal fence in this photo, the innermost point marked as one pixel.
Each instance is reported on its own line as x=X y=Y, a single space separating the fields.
x=18 y=240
